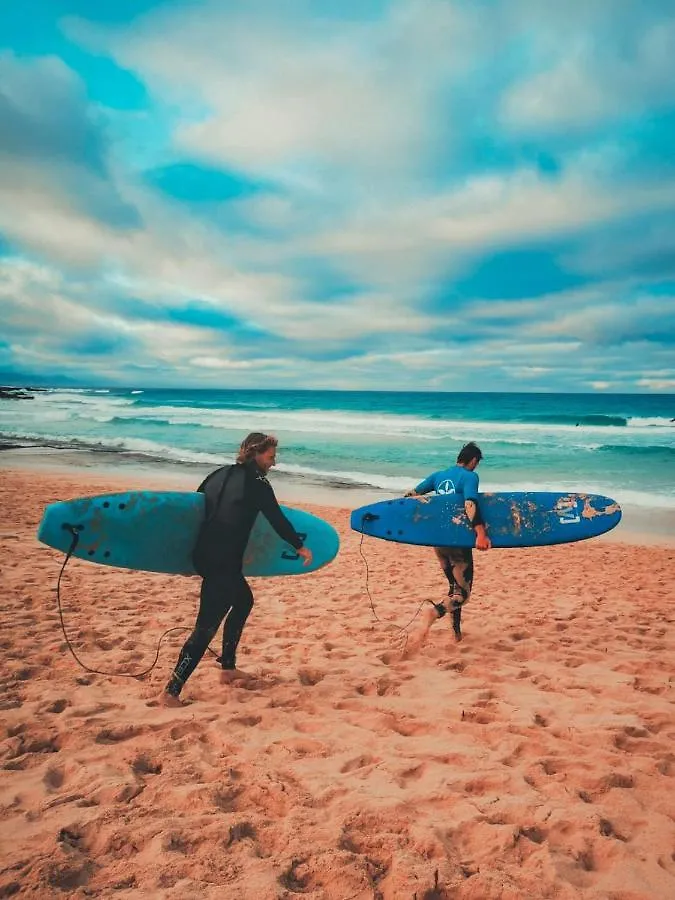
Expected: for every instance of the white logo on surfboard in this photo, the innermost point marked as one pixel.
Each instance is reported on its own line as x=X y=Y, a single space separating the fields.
x=568 y=512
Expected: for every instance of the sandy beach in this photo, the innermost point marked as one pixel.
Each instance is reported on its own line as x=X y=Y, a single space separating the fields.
x=534 y=759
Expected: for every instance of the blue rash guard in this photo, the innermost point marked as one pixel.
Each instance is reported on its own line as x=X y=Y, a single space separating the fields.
x=455 y=480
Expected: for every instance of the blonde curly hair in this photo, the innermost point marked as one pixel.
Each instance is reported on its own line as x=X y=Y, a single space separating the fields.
x=255 y=443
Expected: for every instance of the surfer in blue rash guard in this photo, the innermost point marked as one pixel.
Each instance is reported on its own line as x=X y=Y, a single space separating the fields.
x=457 y=562
x=234 y=496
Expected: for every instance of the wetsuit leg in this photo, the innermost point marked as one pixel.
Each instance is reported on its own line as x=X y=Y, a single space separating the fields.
x=214 y=602
x=457 y=564
x=241 y=599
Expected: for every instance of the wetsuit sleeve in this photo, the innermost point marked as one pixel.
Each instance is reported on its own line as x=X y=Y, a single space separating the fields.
x=202 y=487
x=268 y=505
x=427 y=485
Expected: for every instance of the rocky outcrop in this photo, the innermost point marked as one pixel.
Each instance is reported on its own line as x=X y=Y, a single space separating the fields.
x=14 y=393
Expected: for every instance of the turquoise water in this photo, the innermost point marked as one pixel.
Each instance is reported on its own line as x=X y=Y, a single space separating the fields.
x=619 y=445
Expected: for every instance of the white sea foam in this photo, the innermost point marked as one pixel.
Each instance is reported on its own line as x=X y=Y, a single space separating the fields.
x=79 y=398
x=337 y=445
x=264 y=416
x=651 y=422
x=347 y=424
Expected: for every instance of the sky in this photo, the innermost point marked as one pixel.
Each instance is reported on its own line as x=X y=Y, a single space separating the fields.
x=446 y=195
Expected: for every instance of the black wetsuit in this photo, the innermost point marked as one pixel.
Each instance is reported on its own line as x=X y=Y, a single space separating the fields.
x=234 y=496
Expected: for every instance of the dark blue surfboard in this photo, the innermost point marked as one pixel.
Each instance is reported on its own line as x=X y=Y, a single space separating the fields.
x=155 y=531
x=516 y=519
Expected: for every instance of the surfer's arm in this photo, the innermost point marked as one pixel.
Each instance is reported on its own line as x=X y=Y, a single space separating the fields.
x=476 y=521
x=422 y=488
x=269 y=507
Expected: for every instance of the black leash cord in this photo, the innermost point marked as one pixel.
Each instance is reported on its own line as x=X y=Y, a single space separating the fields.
x=76 y=537
x=401 y=628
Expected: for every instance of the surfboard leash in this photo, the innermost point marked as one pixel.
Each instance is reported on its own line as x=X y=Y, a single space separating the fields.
x=368 y=517
x=75 y=531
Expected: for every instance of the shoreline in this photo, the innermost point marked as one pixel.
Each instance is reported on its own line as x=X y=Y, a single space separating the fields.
x=641 y=526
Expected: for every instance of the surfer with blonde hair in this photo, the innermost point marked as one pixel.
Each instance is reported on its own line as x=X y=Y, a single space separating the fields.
x=234 y=495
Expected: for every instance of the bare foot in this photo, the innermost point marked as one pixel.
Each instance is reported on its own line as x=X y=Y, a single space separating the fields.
x=416 y=641
x=168 y=700
x=458 y=636
x=429 y=616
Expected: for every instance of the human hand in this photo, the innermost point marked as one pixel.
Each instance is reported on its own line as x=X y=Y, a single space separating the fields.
x=483 y=542
x=306 y=554
x=414 y=496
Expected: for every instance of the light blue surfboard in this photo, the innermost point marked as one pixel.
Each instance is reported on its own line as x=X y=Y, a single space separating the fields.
x=515 y=519
x=155 y=531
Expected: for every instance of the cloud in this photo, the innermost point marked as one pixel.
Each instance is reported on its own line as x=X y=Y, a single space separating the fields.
x=657 y=384
x=383 y=194
x=80 y=333
x=50 y=143
x=43 y=115
x=639 y=247
x=279 y=89
x=439 y=233
x=625 y=320
x=615 y=67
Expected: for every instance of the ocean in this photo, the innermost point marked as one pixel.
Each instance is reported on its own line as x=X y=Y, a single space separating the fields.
x=622 y=446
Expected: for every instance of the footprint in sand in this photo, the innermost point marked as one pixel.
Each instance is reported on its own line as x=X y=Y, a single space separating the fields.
x=383 y=687
x=458 y=666
x=26 y=673
x=28 y=745
x=391 y=657
x=146 y=765
x=310 y=677
x=89 y=712
x=667 y=863
x=607 y=829
x=181 y=731
x=359 y=762
x=488 y=785
x=479 y=715
x=56 y=706
x=118 y=733
x=225 y=798
x=406 y=727
x=54 y=777
x=666 y=766
x=301 y=747
x=246 y=721
x=605 y=784
x=533 y=833
x=515 y=756
x=307 y=726
x=414 y=773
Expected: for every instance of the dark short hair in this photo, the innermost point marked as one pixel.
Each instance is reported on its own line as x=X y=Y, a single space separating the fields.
x=468 y=452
